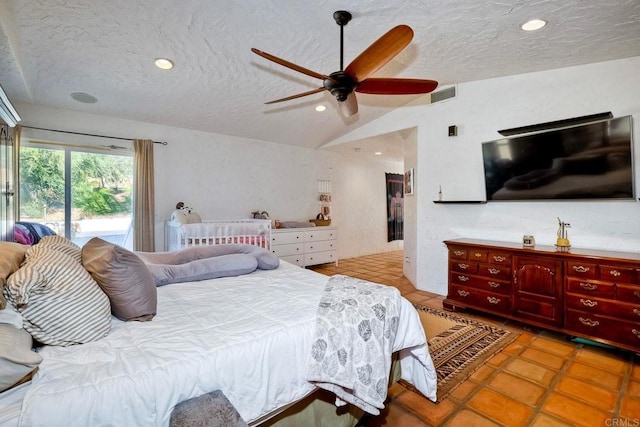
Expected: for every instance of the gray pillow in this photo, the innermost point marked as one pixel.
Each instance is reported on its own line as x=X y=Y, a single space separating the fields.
x=124 y=277
x=266 y=260
x=202 y=269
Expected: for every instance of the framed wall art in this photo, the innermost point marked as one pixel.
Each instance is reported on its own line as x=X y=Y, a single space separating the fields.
x=408 y=182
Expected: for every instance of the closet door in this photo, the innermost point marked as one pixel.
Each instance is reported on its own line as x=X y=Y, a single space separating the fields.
x=7 y=198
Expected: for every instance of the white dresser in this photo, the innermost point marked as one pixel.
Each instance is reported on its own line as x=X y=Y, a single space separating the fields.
x=306 y=246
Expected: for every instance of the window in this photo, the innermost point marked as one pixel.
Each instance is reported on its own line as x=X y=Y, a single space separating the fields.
x=79 y=191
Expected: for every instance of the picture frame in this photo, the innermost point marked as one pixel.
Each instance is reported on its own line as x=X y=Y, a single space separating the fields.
x=408 y=182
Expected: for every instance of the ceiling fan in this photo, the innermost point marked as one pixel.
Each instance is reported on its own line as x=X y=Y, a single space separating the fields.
x=355 y=78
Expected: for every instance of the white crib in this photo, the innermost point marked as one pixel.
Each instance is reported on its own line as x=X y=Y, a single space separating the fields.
x=255 y=232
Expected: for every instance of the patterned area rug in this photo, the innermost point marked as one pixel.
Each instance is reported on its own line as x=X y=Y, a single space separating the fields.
x=459 y=346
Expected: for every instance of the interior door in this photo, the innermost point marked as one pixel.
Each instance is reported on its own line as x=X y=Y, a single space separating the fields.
x=7 y=198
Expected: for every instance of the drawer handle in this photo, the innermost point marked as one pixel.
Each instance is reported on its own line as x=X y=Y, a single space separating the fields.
x=493 y=300
x=588 y=302
x=463 y=266
x=499 y=258
x=494 y=271
x=588 y=286
x=494 y=284
x=463 y=293
x=463 y=278
x=580 y=269
x=478 y=254
x=636 y=311
x=458 y=253
x=588 y=322
x=637 y=293
x=615 y=273
x=636 y=333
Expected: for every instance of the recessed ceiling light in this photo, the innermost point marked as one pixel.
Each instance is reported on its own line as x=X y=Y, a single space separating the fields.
x=378 y=153
x=85 y=98
x=164 y=63
x=533 y=24
x=321 y=108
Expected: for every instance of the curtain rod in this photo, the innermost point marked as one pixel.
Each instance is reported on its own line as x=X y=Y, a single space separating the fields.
x=89 y=134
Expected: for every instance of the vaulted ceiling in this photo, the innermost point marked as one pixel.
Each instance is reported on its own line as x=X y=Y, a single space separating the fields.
x=50 y=49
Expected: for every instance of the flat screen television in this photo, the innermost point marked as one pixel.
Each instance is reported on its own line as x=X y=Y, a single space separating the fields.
x=590 y=161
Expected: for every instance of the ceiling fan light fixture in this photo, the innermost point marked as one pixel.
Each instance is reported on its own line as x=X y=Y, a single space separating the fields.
x=533 y=25
x=164 y=63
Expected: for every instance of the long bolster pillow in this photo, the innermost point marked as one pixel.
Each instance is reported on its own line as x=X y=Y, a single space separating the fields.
x=207 y=262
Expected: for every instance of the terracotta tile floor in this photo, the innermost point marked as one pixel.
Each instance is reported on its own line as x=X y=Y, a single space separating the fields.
x=541 y=379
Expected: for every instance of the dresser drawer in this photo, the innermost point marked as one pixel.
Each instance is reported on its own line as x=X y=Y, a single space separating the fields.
x=495 y=271
x=595 y=289
x=320 y=258
x=279 y=238
x=479 y=255
x=457 y=253
x=464 y=266
x=628 y=293
x=604 y=306
x=294 y=259
x=483 y=283
x=616 y=330
x=481 y=299
x=617 y=274
x=499 y=258
x=312 y=236
x=286 y=250
x=320 y=246
x=581 y=269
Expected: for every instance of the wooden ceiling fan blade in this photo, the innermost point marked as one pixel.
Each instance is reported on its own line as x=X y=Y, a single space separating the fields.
x=393 y=86
x=290 y=65
x=380 y=52
x=299 y=95
x=349 y=106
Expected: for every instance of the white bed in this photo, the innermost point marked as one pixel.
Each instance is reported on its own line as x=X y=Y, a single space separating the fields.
x=248 y=336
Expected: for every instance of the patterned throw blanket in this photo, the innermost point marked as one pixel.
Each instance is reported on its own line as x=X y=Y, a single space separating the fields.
x=351 y=354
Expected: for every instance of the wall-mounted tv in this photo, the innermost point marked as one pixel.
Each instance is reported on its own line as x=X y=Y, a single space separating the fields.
x=591 y=161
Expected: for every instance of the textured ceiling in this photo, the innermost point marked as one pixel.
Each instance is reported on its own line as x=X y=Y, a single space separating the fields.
x=52 y=48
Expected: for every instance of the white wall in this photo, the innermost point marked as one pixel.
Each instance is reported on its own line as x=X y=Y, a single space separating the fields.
x=228 y=177
x=479 y=110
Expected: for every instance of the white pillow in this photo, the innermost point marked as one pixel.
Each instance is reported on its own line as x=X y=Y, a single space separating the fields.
x=17 y=360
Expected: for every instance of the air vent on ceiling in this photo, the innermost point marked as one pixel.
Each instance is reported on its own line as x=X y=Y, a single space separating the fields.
x=443 y=94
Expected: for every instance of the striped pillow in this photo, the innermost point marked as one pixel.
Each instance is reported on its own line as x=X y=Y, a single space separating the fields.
x=59 y=301
x=59 y=243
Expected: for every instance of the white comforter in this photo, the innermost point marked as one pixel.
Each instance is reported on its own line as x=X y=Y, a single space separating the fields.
x=233 y=334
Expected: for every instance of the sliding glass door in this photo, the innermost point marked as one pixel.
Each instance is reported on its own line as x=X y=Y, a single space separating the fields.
x=78 y=192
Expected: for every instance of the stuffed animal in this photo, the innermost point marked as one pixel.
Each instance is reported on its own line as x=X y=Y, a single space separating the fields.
x=184 y=215
x=260 y=215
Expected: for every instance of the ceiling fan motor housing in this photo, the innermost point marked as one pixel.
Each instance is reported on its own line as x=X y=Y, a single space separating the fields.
x=340 y=85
